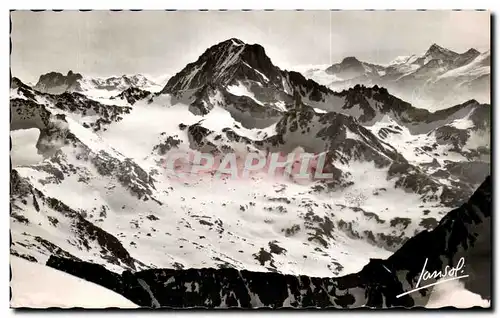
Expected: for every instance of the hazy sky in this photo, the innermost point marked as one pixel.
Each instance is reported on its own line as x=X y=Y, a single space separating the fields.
x=157 y=43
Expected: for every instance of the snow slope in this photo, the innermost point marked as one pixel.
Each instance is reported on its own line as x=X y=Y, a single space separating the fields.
x=102 y=192
x=38 y=286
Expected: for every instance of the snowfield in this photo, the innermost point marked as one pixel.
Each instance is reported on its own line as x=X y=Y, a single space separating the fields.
x=453 y=293
x=38 y=286
x=24 y=147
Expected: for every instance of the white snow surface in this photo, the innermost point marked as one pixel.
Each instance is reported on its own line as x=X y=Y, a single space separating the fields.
x=188 y=229
x=242 y=90
x=409 y=144
x=24 y=150
x=453 y=293
x=38 y=286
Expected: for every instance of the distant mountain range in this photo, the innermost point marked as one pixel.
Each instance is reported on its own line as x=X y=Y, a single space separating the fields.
x=57 y=83
x=432 y=80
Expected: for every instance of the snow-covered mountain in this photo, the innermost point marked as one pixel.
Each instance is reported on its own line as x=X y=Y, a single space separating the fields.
x=57 y=83
x=98 y=190
x=433 y=80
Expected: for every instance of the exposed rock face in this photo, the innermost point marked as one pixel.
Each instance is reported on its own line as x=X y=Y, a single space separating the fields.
x=437 y=53
x=463 y=232
x=223 y=62
x=351 y=67
x=241 y=78
x=101 y=194
x=121 y=82
x=83 y=233
x=466 y=57
x=374 y=102
x=345 y=140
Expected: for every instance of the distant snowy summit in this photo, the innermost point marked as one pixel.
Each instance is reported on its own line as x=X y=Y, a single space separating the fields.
x=434 y=80
x=57 y=83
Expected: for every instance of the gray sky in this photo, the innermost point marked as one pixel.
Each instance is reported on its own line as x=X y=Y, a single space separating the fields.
x=157 y=43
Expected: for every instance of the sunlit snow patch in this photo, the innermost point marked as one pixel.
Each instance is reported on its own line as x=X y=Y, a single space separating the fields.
x=39 y=286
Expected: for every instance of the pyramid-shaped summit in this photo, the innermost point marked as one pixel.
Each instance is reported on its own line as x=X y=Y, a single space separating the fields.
x=438 y=52
x=222 y=63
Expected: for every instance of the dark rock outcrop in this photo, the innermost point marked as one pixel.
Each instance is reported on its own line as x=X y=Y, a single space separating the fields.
x=463 y=232
x=57 y=83
x=132 y=95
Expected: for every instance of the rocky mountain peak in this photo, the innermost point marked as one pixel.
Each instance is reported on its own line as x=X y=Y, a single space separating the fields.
x=438 y=52
x=221 y=64
x=436 y=48
x=350 y=60
x=234 y=41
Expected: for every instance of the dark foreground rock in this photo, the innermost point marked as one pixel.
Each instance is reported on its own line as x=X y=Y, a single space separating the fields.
x=463 y=232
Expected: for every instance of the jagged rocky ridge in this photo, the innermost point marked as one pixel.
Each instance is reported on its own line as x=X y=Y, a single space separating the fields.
x=343 y=137
x=31 y=108
x=82 y=232
x=463 y=232
x=434 y=79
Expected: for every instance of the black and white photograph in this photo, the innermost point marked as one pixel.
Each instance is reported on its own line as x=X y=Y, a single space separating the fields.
x=203 y=159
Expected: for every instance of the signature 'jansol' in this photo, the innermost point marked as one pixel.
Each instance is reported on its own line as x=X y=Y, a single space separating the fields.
x=449 y=273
